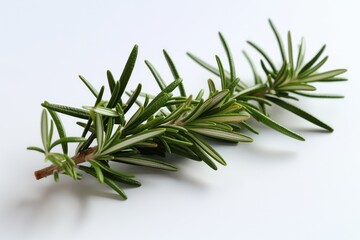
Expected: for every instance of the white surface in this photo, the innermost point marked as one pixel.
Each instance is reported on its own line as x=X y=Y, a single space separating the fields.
x=274 y=188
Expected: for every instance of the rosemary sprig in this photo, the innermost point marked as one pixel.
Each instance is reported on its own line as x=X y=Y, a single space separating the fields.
x=171 y=123
x=292 y=78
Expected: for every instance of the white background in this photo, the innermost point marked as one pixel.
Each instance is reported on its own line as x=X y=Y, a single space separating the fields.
x=274 y=188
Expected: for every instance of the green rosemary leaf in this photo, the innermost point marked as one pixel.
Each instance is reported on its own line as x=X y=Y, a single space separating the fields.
x=251 y=90
x=56 y=176
x=176 y=141
x=60 y=129
x=156 y=75
x=207 y=148
x=271 y=123
x=301 y=54
x=114 y=138
x=222 y=73
x=200 y=95
x=66 y=140
x=148 y=125
x=109 y=129
x=197 y=111
x=278 y=38
x=212 y=88
x=296 y=86
x=100 y=95
x=171 y=65
x=44 y=130
x=223 y=135
x=267 y=58
x=174 y=72
x=158 y=79
x=225 y=118
x=35 y=149
x=197 y=123
x=121 y=119
x=68 y=169
x=319 y=95
x=334 y=79
x=85 y=125
x=124 y=143
x=115 y=96
x=230 y=58
x=133 y=98
x=300 y=113
x=114 y=186
x=50 y=135
x=177 y=113
x=234 y=84
x=161 y=99
x=126 y=73
x=257 y=99
x=282 y=75
x=313 y=69
x=230 y=106
x=135 y=117
x=99 y=123
x=175 y=102
x=164 y=145
x=121 y=179
x=71 y=111
x=111 y=80
x=267 y=71
x=204 y=64
x=87 y=143
x=323 y=76
x=291 y=58
x=223 y=126
x=169 y=88
x=257 y=78
x=146 y=162
x=283 y=95
x=146 y=101
x=174 y=128
x=89 y=86
x=203 y=156
x=103 y=111
x=69 y=160
x=217 y=99
x=146 y=144
x=52 y=158
x=262 y=108
x=247 y=126
x=105 y=157
x=210 y=125
x=151 y=109
x=158 y=102
x=98 y=172
x=109 y=170
x=312 y=61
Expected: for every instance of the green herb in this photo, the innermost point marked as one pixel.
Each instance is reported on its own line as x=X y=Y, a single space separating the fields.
x=177 y=123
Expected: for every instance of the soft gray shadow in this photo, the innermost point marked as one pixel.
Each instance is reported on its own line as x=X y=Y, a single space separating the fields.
x=56 y=199
x=32 y=210
x=79 y=193
x=259 y=152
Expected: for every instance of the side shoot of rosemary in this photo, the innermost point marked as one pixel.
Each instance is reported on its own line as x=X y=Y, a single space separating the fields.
x=173 y=122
